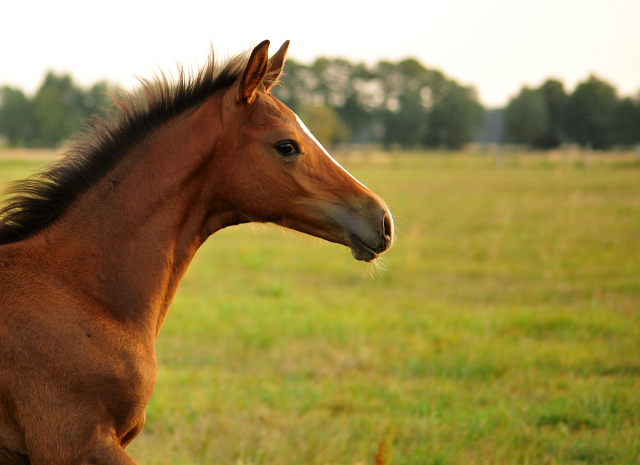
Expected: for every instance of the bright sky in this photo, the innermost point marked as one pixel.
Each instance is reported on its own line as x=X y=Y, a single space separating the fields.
x=495 y=45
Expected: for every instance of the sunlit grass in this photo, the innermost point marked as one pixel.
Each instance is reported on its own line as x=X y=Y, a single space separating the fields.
x=505 y=328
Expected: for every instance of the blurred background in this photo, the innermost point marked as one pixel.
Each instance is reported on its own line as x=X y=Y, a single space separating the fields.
x=408 y=75
x=505 y=325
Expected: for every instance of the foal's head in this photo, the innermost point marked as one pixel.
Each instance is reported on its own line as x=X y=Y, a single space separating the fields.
x=276 y=171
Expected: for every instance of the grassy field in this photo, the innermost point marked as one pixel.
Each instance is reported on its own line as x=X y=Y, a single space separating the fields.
x=505 y=329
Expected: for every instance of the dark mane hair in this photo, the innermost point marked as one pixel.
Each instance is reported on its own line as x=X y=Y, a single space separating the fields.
x=36 y=202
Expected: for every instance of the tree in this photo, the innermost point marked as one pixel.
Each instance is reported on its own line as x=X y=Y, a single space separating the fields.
x=590 y=114
x=325 y=124
x=16 y=117
x=627 y=122
x=526 y=120
x=58 y=108
x=360 y=123
x=405 y=125
x=555 y=100
x=403 y=112
x=455 y=119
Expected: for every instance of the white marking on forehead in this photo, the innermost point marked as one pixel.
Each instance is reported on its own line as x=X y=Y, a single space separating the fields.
x=306 y=130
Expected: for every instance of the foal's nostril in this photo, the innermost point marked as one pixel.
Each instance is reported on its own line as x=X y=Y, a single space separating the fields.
x=387 y=229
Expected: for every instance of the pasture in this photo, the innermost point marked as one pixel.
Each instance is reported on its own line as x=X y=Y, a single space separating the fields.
x=505 y=328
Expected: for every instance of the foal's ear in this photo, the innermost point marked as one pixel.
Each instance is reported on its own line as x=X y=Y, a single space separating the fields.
x=275 y=66
x=254 y=72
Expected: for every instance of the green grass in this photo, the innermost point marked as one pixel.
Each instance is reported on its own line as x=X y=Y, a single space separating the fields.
x=505 y=330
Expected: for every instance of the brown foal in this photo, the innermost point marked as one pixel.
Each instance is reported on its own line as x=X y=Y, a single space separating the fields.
x=93 y=248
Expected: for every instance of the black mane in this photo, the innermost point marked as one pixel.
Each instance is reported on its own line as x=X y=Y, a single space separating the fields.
x=38 y=201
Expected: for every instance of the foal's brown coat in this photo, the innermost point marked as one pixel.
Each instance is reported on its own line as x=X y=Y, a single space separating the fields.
x=88 y=268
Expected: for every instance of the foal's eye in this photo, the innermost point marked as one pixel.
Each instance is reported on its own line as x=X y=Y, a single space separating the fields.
x=287 y=148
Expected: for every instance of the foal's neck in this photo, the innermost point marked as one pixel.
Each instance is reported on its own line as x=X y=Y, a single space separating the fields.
x=144 y=222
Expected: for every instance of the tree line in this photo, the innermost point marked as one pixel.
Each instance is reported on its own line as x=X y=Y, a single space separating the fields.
x=592 y=115
x=53 y=114
x=400 y=104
